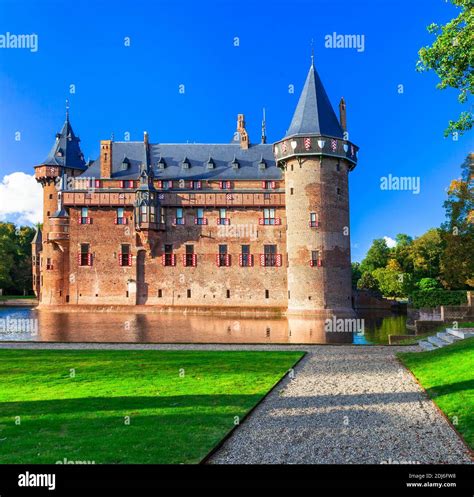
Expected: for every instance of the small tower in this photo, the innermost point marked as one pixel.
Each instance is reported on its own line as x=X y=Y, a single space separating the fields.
x=316 y=158
x=64 y=160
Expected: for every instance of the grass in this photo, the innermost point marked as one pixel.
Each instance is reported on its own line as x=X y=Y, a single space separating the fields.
x=422 y=336
x=14 y=297
x=447 y=375
x=73 y=404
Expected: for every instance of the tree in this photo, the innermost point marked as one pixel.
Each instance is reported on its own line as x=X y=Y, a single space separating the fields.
x=377 y=256
x=427 y=284
x=452 y=58
x=368 y=282
x=402 y=252
x=457 y=261
x=356 y=273
x=426 y=253
x=7 y=252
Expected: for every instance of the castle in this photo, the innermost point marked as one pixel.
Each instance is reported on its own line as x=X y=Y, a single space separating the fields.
x=243 y=226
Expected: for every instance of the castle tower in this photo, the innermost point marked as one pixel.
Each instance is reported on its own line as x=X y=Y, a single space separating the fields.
x=316 y=157
x=64 y=160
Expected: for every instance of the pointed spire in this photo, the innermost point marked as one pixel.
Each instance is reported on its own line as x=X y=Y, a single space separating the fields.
x=314 y=114
x=66 y=151
x=312 y=53
x=264 y=127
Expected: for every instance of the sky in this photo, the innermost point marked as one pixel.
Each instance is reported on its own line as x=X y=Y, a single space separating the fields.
x=122 y=66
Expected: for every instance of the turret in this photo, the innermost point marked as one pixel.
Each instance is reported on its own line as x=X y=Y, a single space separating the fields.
x=316 y=160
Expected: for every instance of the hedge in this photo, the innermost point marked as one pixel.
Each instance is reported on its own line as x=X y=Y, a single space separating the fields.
x=437 y=297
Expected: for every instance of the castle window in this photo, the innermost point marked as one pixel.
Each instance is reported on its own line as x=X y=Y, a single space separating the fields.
x=338 y=190
x=223 y=257
x=225 y=185
x=143 y=214
x=245 y=257
x=84 y=219
x=162 y=216
x=267 y=294
x=50 y=196
x=120 y=219
x=292 y=190
x=125 y=164
x=168 y=258
x=195 y=185
x=189 y=293
x=125 y=257
x=152 y=214
x=200 y=219
x=315 y=259
x=228 y=294
x=189 y=258
x=270 y=258
x=160 y=293
x=313 y=220
x=85 y=256
x=126 y=184
x=222 y=219
x=49 y=264
x=268 y=185
x=167 y=184
x=269 y=217
x=338 y=166
x=179 y=219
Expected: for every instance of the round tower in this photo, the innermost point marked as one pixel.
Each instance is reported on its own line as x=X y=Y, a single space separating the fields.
x=317 y=157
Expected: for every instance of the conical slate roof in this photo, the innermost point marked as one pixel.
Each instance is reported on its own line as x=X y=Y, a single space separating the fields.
x=66 y=150
x=314 y=114
x=38 y=238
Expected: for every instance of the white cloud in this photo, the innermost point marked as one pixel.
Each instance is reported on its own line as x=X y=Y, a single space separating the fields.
x=389 y=241
x=21 y=199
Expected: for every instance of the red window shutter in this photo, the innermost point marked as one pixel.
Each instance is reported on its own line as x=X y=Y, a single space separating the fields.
x=264 y=184
x=79 y=221
x=217 y=260
x=261 y=221
x=221 y=185
x=129 y=259
x=97 y=183
x=160 y=184
x=227 y=221
x=278 y=260
x=194 y=260
x=173 y=260
x=273 y=184
x=163 y=259
x=89 y=259
x=184 y=259
x=174 y=220
x=170 y=183
x=228 y=184
x=204 y=220
x=262 y=260
x=227 y=260
x=88 y=220
x=124 y=220
x=121 y=184
x=120 y=259
x=195 y=220
x=251 y=260
x=199 y=185
x=241 y=260
x=278 y=221
x=311 y=263
x=79 y=259
x=320 y=262
x=116 y=220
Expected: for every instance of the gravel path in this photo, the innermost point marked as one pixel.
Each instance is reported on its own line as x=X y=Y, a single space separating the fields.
x=345 y=404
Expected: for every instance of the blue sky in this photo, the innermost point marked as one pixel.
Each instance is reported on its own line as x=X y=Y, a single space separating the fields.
x=122 y=89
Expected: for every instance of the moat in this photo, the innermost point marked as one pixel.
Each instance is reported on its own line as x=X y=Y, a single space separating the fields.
x=28 y=324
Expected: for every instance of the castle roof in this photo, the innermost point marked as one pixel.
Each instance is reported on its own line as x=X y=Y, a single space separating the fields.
x=66 y=150
x=197 y=157
x=38 y=238
x=314 y=114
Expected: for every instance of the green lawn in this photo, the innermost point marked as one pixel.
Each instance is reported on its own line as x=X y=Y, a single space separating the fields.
x=14 y=297
x=173 y=418
x=447 y=374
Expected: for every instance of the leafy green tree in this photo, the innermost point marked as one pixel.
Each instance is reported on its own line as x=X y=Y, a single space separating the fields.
x=402 y=252
x=451 y=56
x=457 y=259
x=427 y=284
x=368 y=282
x=7 y=254
x=356 y=273
x=426 y=253
x=377 y=256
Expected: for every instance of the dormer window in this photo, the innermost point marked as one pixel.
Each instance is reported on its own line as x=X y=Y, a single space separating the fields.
x=235 y=164
x=210 y=164
x=262 y=165
x=60 y=152
x=185 y=164
x=125 y=164
x=161 y=164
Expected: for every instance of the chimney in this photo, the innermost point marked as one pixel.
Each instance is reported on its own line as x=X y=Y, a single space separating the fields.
x=342 y=114
x=106 y=159
x=244 y=137
x=145 y=138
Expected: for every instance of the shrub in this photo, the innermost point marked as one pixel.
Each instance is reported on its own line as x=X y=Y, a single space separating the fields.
x=437 y=297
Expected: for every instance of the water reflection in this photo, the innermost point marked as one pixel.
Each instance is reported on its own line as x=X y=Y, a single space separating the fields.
x=193 y=328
